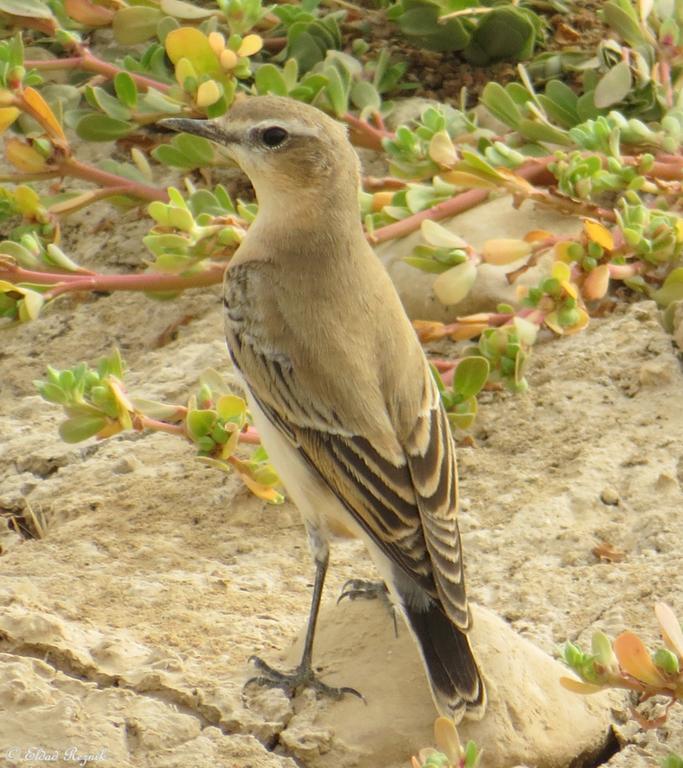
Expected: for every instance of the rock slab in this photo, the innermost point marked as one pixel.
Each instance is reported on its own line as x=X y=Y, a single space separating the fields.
x=531 y=719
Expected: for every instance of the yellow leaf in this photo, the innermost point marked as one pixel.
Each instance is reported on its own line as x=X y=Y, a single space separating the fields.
x=583 y=321
x=7 y=116
x=679 y=230
x=455 y=283
x=265 y=492
x=464 y=179
x=553 y=322
x=7 y=98
x=208 y=93
x=217 y=42
x=436 y=234
x=561 y=251
x=111 y=429
x=578 y=686
x=447 y=739
x=192 y=44
x=230 y=445
x=561 y=271
x=183 y=70
x=27 y=200
x=466 y=331
x=250 y=45
x=537 y=235
x=504 y=251
x=30 y=305
x=380 y=199
x=442 y=151
x=596 y=283
x=569 y=288
x=24 y=157
x=598 y=233
x=671 y=629
x=229 y=59
x=427 y=330
x=634 y=659
x=41 y=108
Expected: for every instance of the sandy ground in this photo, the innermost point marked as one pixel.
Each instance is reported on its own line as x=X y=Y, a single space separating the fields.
x=125 y=633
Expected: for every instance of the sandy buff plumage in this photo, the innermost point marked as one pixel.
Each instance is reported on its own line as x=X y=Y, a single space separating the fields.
x=339 y=386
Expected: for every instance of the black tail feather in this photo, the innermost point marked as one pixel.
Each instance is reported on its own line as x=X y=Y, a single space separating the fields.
x=451 y=667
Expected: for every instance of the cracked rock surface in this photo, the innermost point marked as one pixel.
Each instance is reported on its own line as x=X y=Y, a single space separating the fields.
x=126 y=631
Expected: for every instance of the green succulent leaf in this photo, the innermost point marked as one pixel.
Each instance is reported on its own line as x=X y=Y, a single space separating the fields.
x=185 y=11
x=501 y=105
x=614 y=86
x=503 y=33
x=79 y=428
x=135 y=24
x=126 y=90
x=470 y=376
x=671 y=290
x=96 y=127
x=269 y=79
x=34 y=9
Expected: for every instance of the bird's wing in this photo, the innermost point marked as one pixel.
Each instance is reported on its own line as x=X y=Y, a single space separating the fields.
x=433 y=470
x=405 y=502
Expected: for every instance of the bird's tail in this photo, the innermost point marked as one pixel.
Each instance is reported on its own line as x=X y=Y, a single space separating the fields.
x=454 y=677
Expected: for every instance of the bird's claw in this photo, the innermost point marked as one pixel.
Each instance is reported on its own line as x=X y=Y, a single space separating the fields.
x=364 y=588
x=291 y=682
x=369 y=590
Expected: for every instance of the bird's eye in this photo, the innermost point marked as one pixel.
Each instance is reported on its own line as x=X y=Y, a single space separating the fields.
x=274 y=136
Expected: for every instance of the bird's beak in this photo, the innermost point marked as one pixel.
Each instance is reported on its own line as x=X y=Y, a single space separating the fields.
x=209 y=129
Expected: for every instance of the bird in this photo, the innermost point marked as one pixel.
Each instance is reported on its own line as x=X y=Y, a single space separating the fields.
x=339 y=387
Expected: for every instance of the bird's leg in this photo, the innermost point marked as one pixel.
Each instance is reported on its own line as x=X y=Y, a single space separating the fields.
x=369 y=590
x=303 y=676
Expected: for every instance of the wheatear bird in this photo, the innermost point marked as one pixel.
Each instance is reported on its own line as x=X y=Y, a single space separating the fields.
x=339 y=387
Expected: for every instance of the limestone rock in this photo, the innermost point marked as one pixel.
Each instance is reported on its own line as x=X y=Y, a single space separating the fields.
x=531 y=719
x=494 y=219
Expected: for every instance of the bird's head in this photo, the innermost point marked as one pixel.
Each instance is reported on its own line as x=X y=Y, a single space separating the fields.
x=287 y=148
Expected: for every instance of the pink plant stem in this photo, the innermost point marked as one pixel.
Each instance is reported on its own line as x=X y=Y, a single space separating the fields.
x=72 y=167
x=534 y=170
x=19 y=274
x=461 y=202
x=144 y=282
x=363 y=134
x=67 y=283
x=99 y=194
x=249 y=436
x=145 y=422
x=667 y=171
x=91 y=63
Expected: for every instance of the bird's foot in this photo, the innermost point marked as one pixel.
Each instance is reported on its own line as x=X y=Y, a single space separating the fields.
x=290 y=682
x=369 y=590
x=366 y=589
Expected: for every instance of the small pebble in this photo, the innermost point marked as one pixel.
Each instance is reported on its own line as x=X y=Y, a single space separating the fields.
x=124 y=466
x=609 y=496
